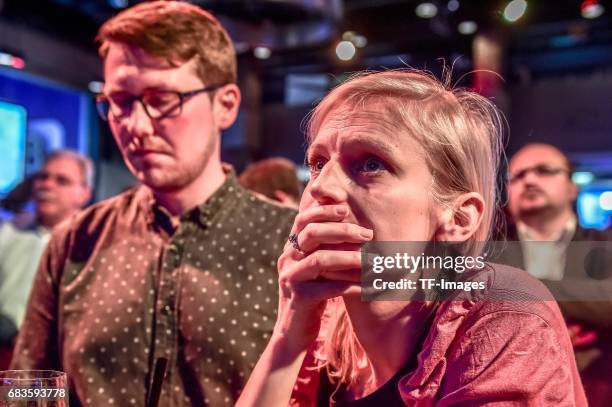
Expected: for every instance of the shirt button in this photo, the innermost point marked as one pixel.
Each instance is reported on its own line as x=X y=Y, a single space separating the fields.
x=168 y=309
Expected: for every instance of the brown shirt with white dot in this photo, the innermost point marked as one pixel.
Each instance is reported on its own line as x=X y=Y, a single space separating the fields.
x=119 y=288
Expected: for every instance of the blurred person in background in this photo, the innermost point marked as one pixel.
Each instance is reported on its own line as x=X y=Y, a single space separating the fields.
x=182 y=267
x=62 y=187
x=275 y=178
x=541 y=196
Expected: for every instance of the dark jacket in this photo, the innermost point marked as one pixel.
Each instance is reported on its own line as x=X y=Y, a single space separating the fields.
x=585 y=298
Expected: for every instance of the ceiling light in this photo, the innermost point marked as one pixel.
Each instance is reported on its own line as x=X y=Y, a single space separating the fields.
x=95 y=86
x=426 y=10
x=262 y=52
x=345 y=50
x=515 y=10
x=591 y=9
x=583 y=177
x=360 y=41
x=11 y=60
x=348 y=35
x=467 y=27
x=453 y=5
x=118 y=4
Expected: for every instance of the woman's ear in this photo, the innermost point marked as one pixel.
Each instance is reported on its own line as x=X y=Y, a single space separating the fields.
x=226 y=105
x=459 y=222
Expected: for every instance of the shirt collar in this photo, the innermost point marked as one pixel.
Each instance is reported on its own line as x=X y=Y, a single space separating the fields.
x=203 y=213
x=564 y=235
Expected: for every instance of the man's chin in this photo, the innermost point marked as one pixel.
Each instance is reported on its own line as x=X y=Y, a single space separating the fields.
x=46 y=207
x=533 y=210
x=159 y=182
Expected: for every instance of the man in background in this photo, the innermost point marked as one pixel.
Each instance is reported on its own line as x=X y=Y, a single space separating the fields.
x=181 y=268
x=59 y=190
x=541 y=197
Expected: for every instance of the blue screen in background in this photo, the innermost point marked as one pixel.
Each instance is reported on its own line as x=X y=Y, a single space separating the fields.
x=13 y=121
x=594 y=206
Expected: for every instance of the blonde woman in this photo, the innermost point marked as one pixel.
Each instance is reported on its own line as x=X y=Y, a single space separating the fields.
x=396 y=156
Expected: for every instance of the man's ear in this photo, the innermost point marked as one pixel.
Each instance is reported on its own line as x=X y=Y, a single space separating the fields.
x=226 y=103
x=573 y=191
x=460 y=221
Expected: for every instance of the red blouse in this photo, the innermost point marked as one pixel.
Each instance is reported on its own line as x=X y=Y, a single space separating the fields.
x=510 y=349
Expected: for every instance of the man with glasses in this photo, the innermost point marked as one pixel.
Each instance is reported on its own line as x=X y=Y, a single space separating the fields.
x=61 y=188
x=181 y=268
x=541 y=196
x=540 y=200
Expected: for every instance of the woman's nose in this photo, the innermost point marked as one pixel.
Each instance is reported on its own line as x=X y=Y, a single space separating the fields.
x=329 y=187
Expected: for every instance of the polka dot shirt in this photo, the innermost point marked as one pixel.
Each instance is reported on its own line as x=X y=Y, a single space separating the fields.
x=120 y=287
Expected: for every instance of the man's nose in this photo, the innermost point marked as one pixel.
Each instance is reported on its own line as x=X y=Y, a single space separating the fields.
x=530 y=177
x=138 y=123
x=329 y=187
x=44 y=182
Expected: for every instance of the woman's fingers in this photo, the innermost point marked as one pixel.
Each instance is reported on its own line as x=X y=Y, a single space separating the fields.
x=329 y=264
x=324 y=213
x=315 y=234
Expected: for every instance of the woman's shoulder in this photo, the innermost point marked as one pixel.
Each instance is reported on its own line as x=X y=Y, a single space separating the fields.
x=513 y=305
x=509 y=342
x=513 y=291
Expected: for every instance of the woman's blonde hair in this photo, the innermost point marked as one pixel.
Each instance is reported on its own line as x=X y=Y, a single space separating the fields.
x=460 y=132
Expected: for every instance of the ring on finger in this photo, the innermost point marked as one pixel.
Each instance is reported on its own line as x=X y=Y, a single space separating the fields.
x=293 y=239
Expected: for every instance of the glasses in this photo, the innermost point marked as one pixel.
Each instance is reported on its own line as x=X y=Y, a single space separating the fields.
x=157 y=104
x=59 y=179
x=542 y=170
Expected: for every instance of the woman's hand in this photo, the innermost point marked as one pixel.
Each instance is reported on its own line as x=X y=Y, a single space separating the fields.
x=325 y=264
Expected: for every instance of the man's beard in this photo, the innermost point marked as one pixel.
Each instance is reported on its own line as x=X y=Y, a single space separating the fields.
x=162 y=180
x=546 y=210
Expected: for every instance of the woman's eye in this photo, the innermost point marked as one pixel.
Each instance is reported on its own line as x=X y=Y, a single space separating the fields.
x=372 y=164
x=316 y=165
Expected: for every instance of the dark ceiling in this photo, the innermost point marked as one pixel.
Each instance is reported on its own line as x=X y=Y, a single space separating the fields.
x=390 y=26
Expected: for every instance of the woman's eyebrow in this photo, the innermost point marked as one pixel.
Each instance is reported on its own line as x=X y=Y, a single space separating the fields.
x=371 y=143
x=313 y=148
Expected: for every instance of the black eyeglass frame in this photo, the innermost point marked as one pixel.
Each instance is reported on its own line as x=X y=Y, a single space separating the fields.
x=541 y=170
x=105 y=111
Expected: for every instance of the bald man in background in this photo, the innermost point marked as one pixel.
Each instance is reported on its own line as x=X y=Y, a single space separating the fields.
x=541 y=196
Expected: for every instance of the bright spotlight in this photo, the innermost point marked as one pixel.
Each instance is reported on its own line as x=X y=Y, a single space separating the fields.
x=96 y=86
x=345 y=50
x=515 y=10
x=583 y=177
x=467 y=27
x=426 y=10
x=591 y=9
x=262 y=52
x=360 y=41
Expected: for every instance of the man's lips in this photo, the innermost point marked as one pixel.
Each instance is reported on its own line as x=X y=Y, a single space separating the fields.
x=44 y=196
x=532 y=193
x=146 y=152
